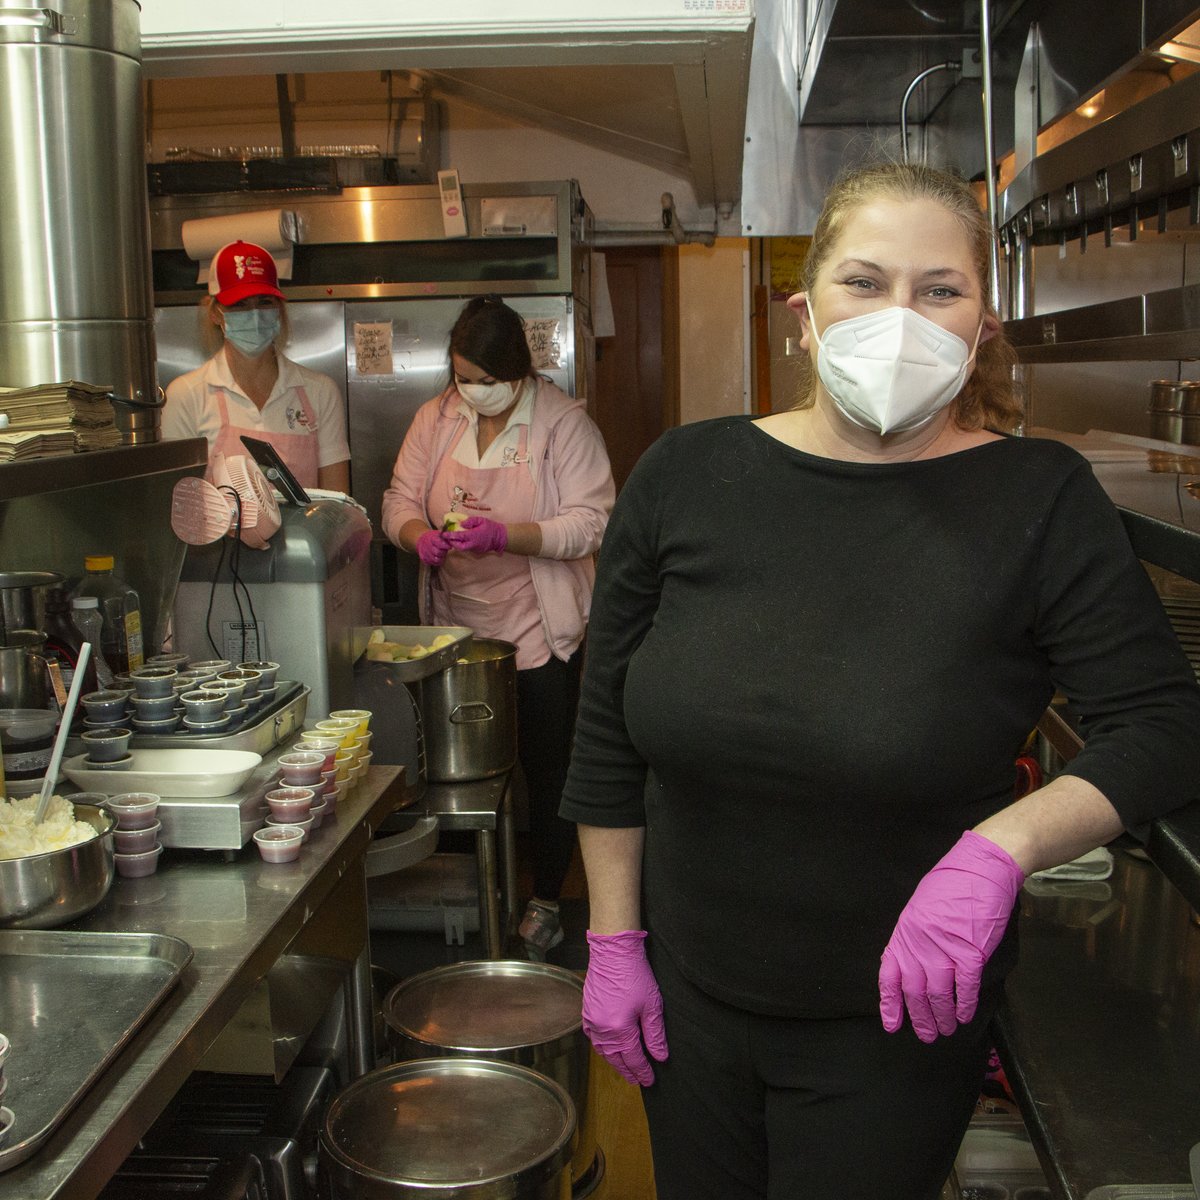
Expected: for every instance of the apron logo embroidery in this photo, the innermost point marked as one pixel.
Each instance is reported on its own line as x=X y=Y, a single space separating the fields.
x=298 y=417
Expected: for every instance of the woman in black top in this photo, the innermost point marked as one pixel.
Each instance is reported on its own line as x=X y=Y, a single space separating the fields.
x=818 y=642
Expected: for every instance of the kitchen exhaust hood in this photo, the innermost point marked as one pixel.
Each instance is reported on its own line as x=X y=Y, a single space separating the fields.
x=659 y=81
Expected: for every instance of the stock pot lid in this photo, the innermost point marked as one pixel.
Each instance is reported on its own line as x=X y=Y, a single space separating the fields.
x=453 y=1123
x=487 y=1006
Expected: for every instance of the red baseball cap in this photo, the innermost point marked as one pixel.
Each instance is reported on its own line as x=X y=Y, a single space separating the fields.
x=242 y=269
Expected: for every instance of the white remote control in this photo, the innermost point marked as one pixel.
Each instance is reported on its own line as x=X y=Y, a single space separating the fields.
x=454 y=219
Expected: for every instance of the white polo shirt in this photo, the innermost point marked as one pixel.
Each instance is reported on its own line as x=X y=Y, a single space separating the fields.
x=191 y=407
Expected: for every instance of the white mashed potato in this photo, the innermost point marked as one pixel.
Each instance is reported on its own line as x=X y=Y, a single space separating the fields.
x=20 y=837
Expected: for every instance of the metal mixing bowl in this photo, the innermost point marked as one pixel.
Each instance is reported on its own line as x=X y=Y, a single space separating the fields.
x=42 y=891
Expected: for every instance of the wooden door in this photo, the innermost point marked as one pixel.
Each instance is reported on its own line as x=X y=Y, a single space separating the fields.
x=635 y=369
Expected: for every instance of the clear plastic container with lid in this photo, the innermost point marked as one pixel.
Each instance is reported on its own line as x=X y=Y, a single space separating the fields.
x=120 y=613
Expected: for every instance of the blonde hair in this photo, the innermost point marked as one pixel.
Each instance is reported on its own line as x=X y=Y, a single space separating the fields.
x=212 y=336
x=987 y=398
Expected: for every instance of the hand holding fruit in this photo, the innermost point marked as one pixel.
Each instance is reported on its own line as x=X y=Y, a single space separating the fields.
x=479 y=536
x=432 y=548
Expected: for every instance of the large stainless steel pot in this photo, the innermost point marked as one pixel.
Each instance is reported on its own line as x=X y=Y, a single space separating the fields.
x=41 y=891
x=448 y=1129
x=23 y=678
x=513 y=1011
x=75 y=238
x=1175 y=410
x=469 y=714
x=23 y=600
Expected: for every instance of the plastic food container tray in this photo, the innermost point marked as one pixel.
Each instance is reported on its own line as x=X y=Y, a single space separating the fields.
x=270 y=727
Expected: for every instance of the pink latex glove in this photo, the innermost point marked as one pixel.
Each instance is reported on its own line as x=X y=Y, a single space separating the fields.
x=479 y=535
x=432 y=548
x=622 y=1006
x=946 y=933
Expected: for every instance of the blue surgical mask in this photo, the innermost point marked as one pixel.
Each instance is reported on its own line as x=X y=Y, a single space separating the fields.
x=251 y=330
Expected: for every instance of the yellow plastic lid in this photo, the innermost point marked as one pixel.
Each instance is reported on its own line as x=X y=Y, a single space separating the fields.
x=98 y=562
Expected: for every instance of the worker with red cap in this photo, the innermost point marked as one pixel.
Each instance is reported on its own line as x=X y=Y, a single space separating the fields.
x=249 y=387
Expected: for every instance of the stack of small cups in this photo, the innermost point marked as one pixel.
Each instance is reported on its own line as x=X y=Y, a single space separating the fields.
x=349 y=729
x=136 y=836
x=6 y=1115
x=297 y=807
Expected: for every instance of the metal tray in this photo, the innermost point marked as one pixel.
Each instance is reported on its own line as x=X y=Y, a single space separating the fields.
x=69 y=1003
x=411 y=670
x=273 y=726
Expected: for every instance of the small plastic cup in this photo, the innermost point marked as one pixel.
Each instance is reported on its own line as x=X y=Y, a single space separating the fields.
x=6 y=1123
x=304 y=826
x=324 y=745
x=107 y=706
x=361 y=715
x=342 y=763
x=214 y=666
x=342 y=729
x=291 y=803
x=106 y=745
x=153 y=681
x=136 y=841
x=163 y=725
x=134 y=810
x=201 y=705
x=228 y=688
x=301 y=768
x=222 y=722
x=135 y=866
x=5 y=1046
x=250 y=680
x=178 y=661
x=153 y=708
x=279 y=843
x=97 y=800
x=318 y=812
x=268 y=670
x=328 y=783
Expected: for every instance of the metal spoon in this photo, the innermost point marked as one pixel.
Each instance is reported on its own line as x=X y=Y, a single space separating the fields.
x=64 y=730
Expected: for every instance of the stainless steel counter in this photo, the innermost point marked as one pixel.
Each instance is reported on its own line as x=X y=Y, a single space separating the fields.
x=1100 y=1029
x=239 y=918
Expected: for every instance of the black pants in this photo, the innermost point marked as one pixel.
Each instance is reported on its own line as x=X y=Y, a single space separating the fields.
x=763 y=1108
x=547 y=700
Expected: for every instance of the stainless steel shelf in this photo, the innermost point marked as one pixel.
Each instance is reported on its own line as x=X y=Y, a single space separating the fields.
x=41 y=476
x=1149 y=327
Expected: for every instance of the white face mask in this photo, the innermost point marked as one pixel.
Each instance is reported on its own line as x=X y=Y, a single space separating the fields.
x=891 y=370
x=488 y=399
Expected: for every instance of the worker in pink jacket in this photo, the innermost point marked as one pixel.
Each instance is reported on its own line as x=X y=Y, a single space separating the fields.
x=523 y=470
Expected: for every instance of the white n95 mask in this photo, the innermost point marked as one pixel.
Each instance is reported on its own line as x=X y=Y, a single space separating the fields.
x=488 y=399
x=891 y=370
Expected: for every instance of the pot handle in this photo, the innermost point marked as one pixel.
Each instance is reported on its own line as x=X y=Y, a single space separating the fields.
x=468 y=714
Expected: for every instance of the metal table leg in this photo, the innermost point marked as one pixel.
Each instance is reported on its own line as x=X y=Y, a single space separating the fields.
x=489 y=914
x=360 y=1012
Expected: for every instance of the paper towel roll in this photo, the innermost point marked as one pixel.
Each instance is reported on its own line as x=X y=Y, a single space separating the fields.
x=274 y=229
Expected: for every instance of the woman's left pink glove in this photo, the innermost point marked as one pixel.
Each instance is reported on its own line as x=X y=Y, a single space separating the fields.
x=946 y=933
x=479 y=535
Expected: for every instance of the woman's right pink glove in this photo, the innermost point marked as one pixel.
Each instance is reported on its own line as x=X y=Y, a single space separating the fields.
x=432 y=547
x=622 y=1006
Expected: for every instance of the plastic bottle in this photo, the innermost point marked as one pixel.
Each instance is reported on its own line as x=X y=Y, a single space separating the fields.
x=85 y=611
x=120 y=612
x=63 y=640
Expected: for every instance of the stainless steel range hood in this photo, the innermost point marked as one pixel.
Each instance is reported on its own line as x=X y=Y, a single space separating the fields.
x=645 y=79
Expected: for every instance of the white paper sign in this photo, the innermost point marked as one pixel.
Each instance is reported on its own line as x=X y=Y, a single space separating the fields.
x=373 y=347
x=544 y=336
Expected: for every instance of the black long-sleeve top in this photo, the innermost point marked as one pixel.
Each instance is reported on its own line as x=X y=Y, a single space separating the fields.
x=807 y=677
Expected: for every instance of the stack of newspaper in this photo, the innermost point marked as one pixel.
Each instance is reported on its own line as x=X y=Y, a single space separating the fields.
x=56 y=418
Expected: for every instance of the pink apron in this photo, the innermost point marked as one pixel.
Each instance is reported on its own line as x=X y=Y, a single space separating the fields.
x=492 y=594
x=299 y=451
